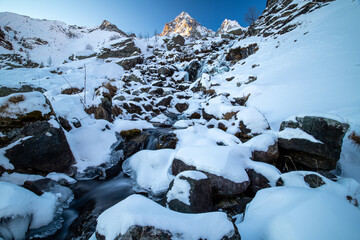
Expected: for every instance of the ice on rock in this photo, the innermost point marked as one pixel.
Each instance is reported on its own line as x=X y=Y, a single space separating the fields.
x=150 y=169
x=21 y=210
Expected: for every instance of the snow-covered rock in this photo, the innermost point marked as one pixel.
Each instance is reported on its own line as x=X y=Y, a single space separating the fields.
x=119 y=221
x=21 y=210
x=186 y=26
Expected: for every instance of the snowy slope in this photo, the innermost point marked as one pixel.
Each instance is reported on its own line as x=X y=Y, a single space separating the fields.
x=43 y=39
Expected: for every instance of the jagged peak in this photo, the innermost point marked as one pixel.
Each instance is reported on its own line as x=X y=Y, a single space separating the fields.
x=106 y=25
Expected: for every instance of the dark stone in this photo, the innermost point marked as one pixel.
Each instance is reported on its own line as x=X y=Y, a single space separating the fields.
x=167 y=140
x=193 y=70
x=167 y=72
x=280 y=182
x=269 y=156
x=178 y=39
x=240 y=53
x=313 y=180
x=119 y=52
x=165 y=101
x=181 y=107
x=132 y=144
x=195 y=115
x=302 y=154
x=233 y=205
x=46 y=151
x=200 y=196
x=103 y=110
x=143 y=233
x=132 y=108
x=257 y=180
x=207 y=116
x=65 y=123
x=220 y=185
x=157 y=91
x=222 y=126
x=106 y=25
x=131 y=62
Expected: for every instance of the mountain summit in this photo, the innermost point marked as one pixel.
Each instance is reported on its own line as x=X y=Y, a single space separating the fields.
x=229 y=26
x=186 y=26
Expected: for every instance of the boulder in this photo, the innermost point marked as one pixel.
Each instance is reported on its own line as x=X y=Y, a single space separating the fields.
x=190 y=192
x=318 y=147
x=220 y=185
x=240 y=53
x=175 y=42
x=257 y=180
x=165 y=101
x=130 y=62
x=166 y=71
x=270 y=156
x=46 y=150
x=133 y=141
x=35 y=143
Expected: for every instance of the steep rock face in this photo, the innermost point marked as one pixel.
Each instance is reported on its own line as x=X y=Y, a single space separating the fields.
x=186 y=26
x=106 y=25
x=229 y=26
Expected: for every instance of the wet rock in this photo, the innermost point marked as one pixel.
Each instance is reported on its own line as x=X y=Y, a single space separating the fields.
x=303 y=154
x=196 y=199
x=132 y=143
x=193 y=70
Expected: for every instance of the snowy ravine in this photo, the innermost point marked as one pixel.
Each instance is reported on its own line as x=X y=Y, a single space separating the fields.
x=249 y=133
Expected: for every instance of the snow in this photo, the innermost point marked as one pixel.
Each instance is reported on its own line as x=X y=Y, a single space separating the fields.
x=290 y=133
x=262 y=141
x=219 y=160
x=253 y=120
x=19 y=178
x=59 y=177
x=203 y=136
x=19 y=104
x=297 y=213
x=141 y=211
x=24 y=207
x=181 y=188
x=150 y=169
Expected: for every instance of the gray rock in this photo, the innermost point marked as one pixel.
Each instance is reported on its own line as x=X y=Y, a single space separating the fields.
x=200 y=193
x=220 y=185
x=302 y=154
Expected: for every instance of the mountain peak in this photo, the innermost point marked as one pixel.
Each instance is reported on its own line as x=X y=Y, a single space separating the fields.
x=108 y=26
x=186 y=26
x=228 y=25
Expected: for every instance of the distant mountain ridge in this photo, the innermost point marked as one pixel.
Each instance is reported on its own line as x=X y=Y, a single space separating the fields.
x=186 y=26
x=228 y=26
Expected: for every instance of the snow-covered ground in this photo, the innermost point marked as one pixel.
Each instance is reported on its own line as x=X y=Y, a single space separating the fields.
x=311 y=70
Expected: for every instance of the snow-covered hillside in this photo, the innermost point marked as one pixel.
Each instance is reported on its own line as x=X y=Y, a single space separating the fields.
x=259 y=126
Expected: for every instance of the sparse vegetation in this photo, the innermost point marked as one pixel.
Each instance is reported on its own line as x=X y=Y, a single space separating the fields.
x=355 y=138
x=16 y=99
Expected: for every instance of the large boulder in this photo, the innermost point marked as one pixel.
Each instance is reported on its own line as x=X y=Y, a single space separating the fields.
x=123 y=49
x=240 y=53
x=33 y=139
x=311 y=143
x=130 y=62
x=190 y=192
x=138 y=217
x=220 y=185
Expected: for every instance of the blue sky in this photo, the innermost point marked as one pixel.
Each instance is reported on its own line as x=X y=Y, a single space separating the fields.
x=143 y=16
